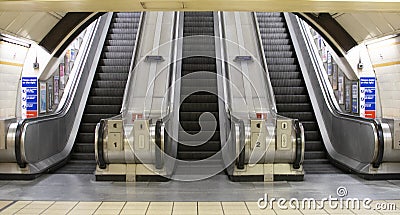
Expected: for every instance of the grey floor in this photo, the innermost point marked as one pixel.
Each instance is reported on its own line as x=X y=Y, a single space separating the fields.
x=58 y=187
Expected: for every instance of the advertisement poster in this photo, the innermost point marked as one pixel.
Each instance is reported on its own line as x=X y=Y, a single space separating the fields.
x=341 y=89
x=56 y=90
x=43 y=97
x=62 y=76
x=354 y=97
x=335 y=77
x=50 y=96
x=367 y=97
x=329 y=66
x=29 y=97
x=347 y=103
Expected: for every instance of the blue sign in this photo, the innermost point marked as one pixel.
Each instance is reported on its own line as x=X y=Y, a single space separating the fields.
x=368 y=97
x=367 y=82
x=29 y=97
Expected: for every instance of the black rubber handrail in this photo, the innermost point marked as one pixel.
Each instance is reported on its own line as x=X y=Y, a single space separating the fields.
x=18 y=156
x=158 y=155
x=241 y=158
x=100 y=145
x=381 y=145
x=297 y=160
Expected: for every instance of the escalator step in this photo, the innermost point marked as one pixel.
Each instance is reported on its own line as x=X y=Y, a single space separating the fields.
x=199 y=155
x=275 y=35
x=201 y=98
x=214 y=136
x=285 y=99
x=281 y=54
x=280 y=61
x=294 y=107
x=284 y=69
x=198 y=60
x=268 y=14
x=124 y=31
x=106 y=109
x=115 y=62
x=284 y=75
x=87 y=127
x=269 y=48
x=271 y=30
x=209 y=146
x=195 y=126
x=99 y=100
x=312 y=136
x=274 y=42
x=117 y=55
x=287 y=82
x=113 y=69
x=126 y=25
x=125 y=36
x=189 y=107
x=290 y=90
x=270 y=24
x=82 y=156
x=106 y=92
x=84 y=147
x=198 y=82
x=315 y=146
x=95 y=118
x=126 y=14
x=113 y=48
x=310 y=125
x=314 y=155
x=85 y=138
x=302 y=116
x=187 y=116
x=111 y=76
x=109 y=84
x=120 y=43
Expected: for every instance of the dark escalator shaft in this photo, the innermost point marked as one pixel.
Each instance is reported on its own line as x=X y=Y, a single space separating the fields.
x=107 y=90
x=291 y=95
x=198 y=24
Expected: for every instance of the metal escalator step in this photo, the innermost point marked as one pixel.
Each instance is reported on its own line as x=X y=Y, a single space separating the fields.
x=99 y=100
x=198 y=82
x=124 y=20
x=82 y=156
x=102 y=109
x=87 y=127
x=127 y=25
x=106 y=92
x=314 y=155
x=109 y=84
x=113 y=69
x=118 y=48
x=95 y=118
x=198 y=19
x=115 y=62
x=198 y=14
x=194 y=116
x=268 y=48
x=202 y=53
x=264 y=30
x=190 y=34
x=275 y=42
x=284 y=69
x=302 y=116
x=197 y=24
x=125 y=36
x=126 y=14
x=198 y=89
x=272 y=19
x=198 y=60
x=314 y=146
x=316 y=161
x=310 y=125
x=283 y=75
x=302 y=107
x=195 y=126
x=263 y=22
x=85 y=138
x=201 y=98
x=84 y=148
x=275 y=36
x=268 y=14
x=209 y=146
x=117 y=55
x=214 y=136
x=287 y=82
x=281 y=54
x=189 y=47
x=189 y=107
x=199 y=67
x=321 y=168
x=118 y=76
x=120 y=43
x=280 y=61
x=285 y=99
x=312 y=136
x=290 y=90
x=196 y=155
x=129 y=31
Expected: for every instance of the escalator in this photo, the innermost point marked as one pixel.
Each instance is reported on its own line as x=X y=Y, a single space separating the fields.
x=198 y=53
x=291 y=95
x=107 y=90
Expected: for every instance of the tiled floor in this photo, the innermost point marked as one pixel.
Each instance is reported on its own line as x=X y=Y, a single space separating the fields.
x=169 y=208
